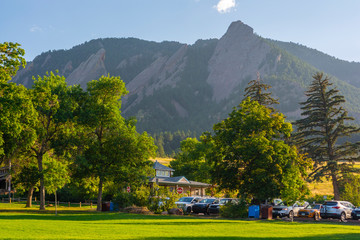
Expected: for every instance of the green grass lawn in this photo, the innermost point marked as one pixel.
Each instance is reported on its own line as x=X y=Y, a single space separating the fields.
x=62 y=207
x=92 y=225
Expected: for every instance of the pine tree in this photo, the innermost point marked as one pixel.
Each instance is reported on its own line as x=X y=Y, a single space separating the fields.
x=324 y=123
x=256 y=91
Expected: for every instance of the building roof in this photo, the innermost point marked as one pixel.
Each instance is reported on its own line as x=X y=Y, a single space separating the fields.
x=159 y=166
x=180 y=181
x=4 y=173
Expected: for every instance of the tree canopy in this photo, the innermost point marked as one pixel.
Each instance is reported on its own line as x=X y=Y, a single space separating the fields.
x=17 y=114
x=53 y=101
x=113 y=150
x=251 y=156
x=10 y=60
x=191 y=160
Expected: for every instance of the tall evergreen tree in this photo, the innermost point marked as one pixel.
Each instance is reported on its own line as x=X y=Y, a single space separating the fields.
x=256 y=90
x=324 y=123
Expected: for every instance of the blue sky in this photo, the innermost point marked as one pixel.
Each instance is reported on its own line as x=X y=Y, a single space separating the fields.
x=331 y=26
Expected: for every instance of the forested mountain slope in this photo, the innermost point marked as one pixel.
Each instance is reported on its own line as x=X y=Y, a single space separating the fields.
x=174 y=86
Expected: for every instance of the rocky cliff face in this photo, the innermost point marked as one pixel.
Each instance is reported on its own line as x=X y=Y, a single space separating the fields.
x=93 y=68
x=163 y=71
x=175 y=86
x=237 y=56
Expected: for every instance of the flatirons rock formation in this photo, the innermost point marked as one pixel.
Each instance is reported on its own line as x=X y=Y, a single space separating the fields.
x=174 y=86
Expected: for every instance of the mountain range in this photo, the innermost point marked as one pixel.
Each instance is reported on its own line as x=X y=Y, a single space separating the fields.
x=174 y=86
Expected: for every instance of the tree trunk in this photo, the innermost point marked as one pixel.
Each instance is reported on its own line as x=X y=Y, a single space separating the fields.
x=42 y=184
x=29 y=197
x=55 y=203
x=99 y=198
x=335 y=187
x=42 y=193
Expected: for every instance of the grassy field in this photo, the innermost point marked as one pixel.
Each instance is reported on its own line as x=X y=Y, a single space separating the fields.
x=92 y=225
x=321 y=188
x=164 y=161
x=325 y=187
x=20 y=206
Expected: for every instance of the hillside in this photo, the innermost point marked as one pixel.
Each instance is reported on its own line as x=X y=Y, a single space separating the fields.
x=347 y=71
x=174 y=86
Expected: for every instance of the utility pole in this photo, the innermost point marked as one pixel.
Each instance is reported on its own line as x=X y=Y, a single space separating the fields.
x=9 y=181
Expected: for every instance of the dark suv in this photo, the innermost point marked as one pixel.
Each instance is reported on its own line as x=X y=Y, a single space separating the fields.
x=203 y=205
x=215 y=206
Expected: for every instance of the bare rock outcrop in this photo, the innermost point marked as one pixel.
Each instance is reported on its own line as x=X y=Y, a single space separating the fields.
x=93 y=68
x=237 y=55
x=164 y=71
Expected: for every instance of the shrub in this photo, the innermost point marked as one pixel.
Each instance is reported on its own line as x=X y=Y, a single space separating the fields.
x=157 y=199
x=124 y=199
x=138 y=197
x=319 y=198
x=349 y=188
x=239 y=210
x=162 y=199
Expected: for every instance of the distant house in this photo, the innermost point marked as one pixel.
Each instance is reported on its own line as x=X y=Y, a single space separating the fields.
x=4 y=180
x=164 y=177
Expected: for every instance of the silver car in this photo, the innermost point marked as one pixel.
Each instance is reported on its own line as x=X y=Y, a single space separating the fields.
x=186 y=203
x=283 y=210
x=336 y=209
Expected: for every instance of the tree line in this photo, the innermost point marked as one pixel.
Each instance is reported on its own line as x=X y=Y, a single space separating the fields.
x=54 y=135
x=53 y=131
x=256 y=152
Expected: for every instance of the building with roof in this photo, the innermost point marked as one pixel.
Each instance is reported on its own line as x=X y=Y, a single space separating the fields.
x=164 y=177
x=5 y=179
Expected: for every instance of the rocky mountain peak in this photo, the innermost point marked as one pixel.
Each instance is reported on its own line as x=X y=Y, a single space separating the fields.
x=239 y=28
x=237 y=58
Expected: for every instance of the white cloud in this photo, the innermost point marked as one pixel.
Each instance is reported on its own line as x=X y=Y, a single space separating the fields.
x=224 y=6
x=35 y=28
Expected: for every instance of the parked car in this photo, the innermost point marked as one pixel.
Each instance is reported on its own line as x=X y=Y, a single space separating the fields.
x=214 y=208
x=283 y=210
x=336 y=209
x=310 y=211
x=186 y=203
x=203 y=205
x=356 y=213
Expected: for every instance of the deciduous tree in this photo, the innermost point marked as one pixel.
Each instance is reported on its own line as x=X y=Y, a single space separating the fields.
x=17 y=113
x=191 y=160
x=10 y=60
x=55 y=105
x=26 y=178
x=113 y=150
x=250 y=155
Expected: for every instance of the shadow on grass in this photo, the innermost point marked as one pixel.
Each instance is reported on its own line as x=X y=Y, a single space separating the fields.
x=86 y=216
x=100 y=216
x=316 y=237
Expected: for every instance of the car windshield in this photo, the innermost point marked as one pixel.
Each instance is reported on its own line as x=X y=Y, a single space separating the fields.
x=330 y=203
x=309 y=207
x=185 y=199
x=317 y=206
x=209 y=200
x=224 y=201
